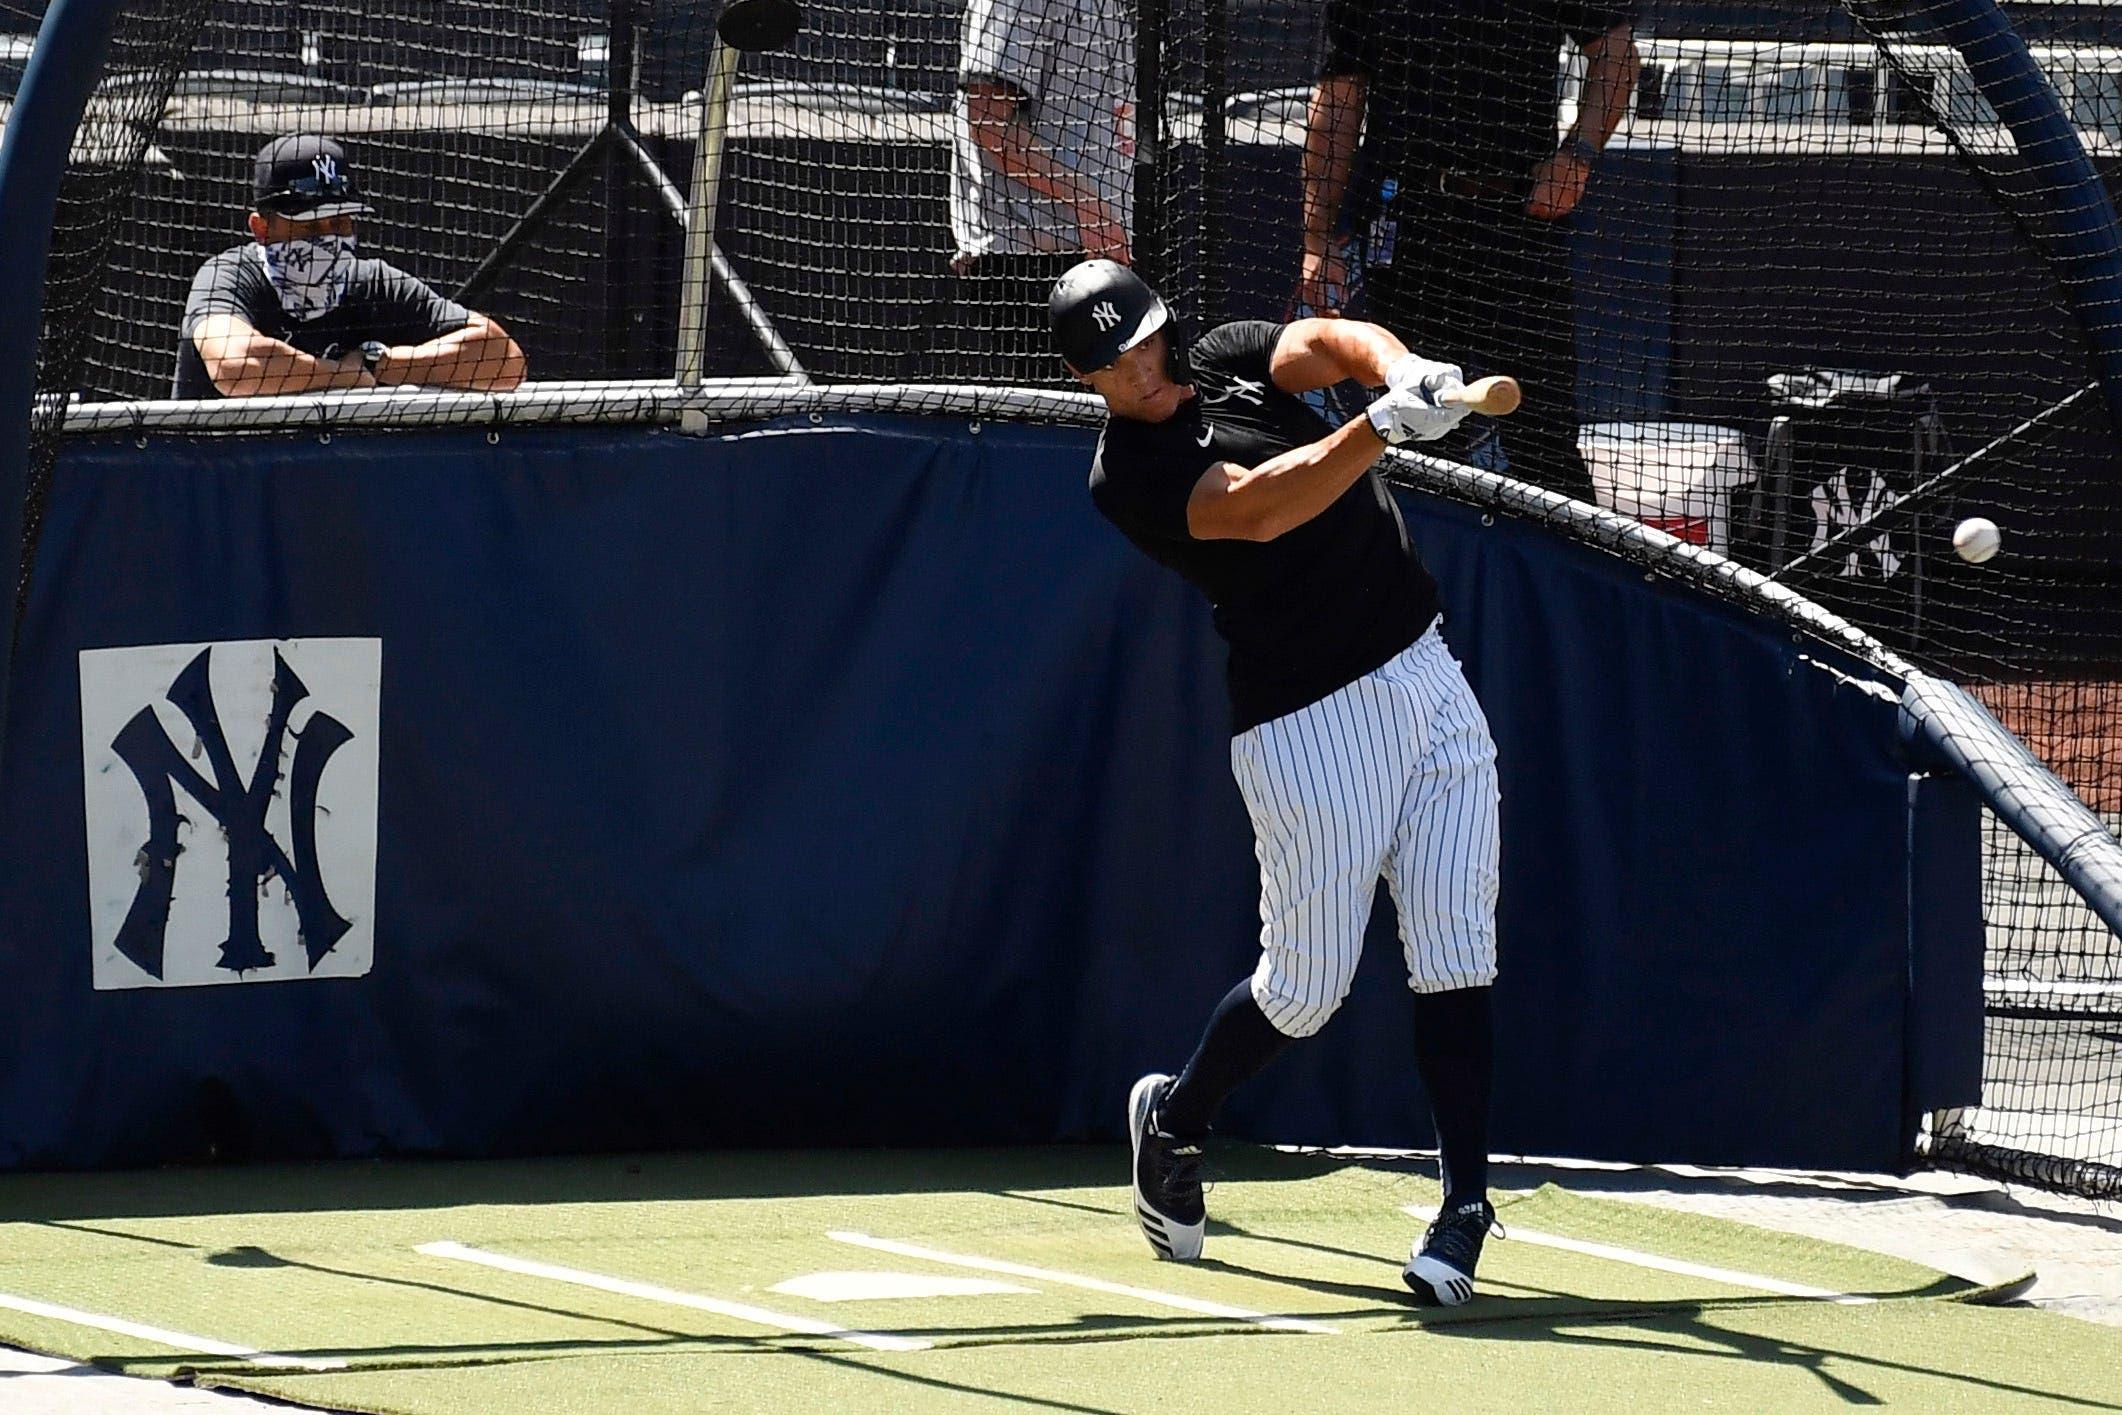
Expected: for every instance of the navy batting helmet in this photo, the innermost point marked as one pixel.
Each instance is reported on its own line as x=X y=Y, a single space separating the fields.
x=1101 y=309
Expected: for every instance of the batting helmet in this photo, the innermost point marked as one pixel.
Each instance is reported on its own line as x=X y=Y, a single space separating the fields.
x=1101 y=309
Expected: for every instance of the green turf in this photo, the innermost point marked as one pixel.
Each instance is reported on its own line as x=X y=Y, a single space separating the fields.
x=321 y=1262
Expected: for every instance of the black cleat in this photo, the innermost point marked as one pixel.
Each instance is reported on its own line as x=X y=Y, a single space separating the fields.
x=1167 y=1176
x=1441 y=1271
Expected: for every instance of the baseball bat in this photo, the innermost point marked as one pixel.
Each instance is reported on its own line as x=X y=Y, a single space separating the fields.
x=1494 y=396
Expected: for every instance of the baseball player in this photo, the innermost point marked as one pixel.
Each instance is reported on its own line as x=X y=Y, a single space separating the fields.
x=1358 y=746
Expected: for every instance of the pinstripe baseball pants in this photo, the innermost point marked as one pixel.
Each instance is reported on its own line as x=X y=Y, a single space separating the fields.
x=1393 y=776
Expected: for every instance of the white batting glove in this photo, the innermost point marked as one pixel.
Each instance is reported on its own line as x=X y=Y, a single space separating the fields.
x=1412 y=370
x=1411 y=414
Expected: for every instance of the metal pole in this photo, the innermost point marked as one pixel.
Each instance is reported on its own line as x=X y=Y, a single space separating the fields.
x=622 y=72
x=62 y=68
x=1215 y=177
x=770 y=341
x=1148 y=235
x=700 y=215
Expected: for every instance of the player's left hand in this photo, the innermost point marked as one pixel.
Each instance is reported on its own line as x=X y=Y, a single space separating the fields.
x=1413 y=414
x=1558 y=185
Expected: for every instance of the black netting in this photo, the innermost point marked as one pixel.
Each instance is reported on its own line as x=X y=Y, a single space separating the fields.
x=1811 y=309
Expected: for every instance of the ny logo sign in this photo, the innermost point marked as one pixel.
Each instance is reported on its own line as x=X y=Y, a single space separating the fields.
x=326 y=167
x=230 y=797
x=1105 y=315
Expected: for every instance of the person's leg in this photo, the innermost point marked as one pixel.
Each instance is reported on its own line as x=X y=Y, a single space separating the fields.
x=1434 y=298
x=1322 y=786
x=1237 y=1045
x=1444 y=873
x=1527 y=328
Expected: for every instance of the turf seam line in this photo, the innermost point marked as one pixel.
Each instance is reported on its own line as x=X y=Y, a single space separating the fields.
x=182 y=1341
x=670 y=1296
x=1196 y=1305
x=1728 y=1276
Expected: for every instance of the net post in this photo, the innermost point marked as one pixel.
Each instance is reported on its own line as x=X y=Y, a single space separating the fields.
x=1149 y=233
x=62 y=69
x=1215 y=124
x=621 y=75
x=700 y=215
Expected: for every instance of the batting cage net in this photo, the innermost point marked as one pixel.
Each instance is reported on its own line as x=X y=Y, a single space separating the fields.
x=1778 y=279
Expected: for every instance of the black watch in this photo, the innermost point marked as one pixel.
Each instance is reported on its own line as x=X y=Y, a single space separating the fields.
x=373 y=352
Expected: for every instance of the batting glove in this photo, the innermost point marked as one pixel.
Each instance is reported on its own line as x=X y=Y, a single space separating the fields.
x=1412 y=414
x=1412 y=370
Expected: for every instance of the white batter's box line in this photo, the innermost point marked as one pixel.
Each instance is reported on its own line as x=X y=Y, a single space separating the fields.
x=1197 y=1305
x=671 y=1297
x=181 y=1340
x=1730 y=1277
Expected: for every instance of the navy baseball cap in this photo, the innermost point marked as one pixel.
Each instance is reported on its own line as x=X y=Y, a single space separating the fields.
x=305 y=177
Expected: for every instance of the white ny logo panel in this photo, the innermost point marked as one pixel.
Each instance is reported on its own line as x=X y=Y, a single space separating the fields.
x=229 y=791
x=1105 y=315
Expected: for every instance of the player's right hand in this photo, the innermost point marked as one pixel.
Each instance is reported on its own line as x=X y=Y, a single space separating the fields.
x=1322 y=284
x=1411 y=413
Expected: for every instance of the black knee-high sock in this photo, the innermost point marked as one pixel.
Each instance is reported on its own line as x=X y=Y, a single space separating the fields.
x=1455 y=1054
x=1239 y=1041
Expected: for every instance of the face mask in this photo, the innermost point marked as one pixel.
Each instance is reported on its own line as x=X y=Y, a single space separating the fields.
x=310 y=274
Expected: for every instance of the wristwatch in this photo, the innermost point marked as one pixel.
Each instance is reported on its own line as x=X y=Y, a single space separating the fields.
x=373 y=352
x=1581 y=147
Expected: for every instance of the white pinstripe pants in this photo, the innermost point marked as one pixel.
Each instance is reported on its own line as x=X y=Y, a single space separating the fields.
x=1393 y=776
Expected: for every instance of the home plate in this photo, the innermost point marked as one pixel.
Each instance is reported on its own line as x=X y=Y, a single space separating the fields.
x=875 y=1287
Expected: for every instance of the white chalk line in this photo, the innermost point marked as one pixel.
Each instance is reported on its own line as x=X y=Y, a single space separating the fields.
x=1728 y=1276
x=1173 y=1300
x=671 y=1297
x=182 y=1340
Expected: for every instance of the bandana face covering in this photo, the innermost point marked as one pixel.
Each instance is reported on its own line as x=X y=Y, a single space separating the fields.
x=309 y=274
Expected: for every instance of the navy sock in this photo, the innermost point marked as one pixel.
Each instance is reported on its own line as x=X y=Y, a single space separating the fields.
x=1239 y=1041
x=1455 y=1055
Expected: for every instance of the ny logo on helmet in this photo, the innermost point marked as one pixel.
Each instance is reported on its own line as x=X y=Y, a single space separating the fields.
x=1105 y=315
x=326 y=167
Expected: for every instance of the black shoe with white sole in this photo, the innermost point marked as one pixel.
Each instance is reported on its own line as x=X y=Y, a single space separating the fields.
x=1441 y=1270
x=1167 y=1176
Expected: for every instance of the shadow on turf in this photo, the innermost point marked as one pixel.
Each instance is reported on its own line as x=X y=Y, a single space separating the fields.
x=1517 y=1312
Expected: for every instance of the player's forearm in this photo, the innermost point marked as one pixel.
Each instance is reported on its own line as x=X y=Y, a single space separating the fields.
x=1611 y=68
x=481 y=356
x=1287 y=490
x=1361 y=350
x=1333 y=123
x=262 y=367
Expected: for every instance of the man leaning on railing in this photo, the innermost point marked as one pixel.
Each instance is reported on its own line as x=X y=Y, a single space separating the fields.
x=294 y=311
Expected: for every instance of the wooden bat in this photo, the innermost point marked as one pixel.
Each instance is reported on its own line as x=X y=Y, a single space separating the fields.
x=1494 y=396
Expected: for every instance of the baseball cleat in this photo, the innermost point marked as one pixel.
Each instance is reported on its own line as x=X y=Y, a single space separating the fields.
x=1441 y=1269
x=1167 y=1175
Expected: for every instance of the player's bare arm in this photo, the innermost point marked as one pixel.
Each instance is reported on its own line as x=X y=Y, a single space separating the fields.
x=480 y=357
x=1611 y=68
x=1319 y=353
x=244 y=363
x=1282 y=493
x=1260 y=503
x=994 y=117
x=1333 y=125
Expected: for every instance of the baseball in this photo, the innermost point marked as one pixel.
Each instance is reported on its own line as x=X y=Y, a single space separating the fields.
x=1977 y=539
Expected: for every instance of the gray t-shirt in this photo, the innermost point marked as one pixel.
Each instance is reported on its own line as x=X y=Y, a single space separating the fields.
x=381 y=302
x=1071 y=64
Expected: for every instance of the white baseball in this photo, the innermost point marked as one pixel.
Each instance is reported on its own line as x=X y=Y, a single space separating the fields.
x=1977 y=539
